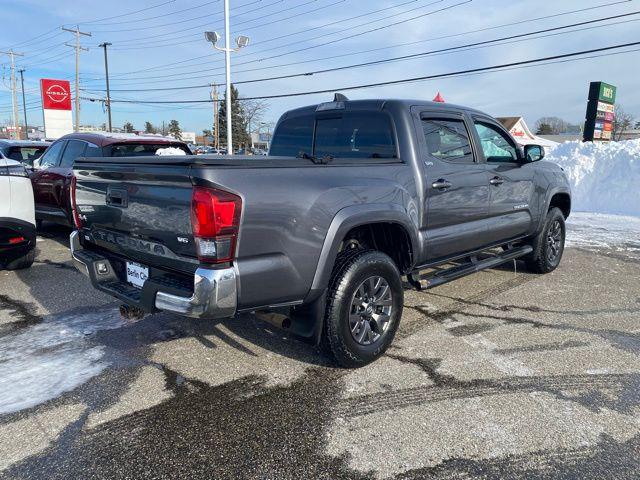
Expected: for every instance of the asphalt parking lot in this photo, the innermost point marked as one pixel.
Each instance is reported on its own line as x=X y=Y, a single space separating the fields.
x=502 y=374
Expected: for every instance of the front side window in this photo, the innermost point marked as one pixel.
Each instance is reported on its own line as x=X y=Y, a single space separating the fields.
x=355 y=135
x=51 y=156
x=495 y=144
x=447 y=140
x=75 y=149
x=293 y=137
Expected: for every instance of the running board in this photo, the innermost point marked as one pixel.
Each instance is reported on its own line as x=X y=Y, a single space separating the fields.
x=472 y=266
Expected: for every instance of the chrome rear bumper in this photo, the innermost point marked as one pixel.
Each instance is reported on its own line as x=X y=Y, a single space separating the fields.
x=215 y=293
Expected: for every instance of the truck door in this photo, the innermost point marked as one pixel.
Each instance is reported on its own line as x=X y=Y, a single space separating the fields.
x=510 y=179
x=457 y=188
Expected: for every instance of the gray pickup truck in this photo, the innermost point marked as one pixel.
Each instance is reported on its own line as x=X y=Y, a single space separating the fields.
x=353 y=196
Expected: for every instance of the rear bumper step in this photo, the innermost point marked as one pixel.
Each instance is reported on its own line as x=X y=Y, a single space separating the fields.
x=472 y=266
x=214 y=293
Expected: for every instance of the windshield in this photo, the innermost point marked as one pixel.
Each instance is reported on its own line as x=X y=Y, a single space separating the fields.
x=25 y=155
x=141 y=149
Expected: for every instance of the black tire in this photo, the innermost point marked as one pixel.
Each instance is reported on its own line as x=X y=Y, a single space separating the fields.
x=357 y=272
x=547 y=253
x=23 y=262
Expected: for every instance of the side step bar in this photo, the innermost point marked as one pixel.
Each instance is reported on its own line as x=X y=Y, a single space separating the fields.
x=472 y=266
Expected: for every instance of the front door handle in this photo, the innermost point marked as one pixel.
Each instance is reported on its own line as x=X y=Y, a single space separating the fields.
x=496 y=181
x=441 y=184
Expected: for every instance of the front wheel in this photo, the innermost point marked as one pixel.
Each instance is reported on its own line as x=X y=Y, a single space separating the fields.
x=548 y=246
x=364 y=306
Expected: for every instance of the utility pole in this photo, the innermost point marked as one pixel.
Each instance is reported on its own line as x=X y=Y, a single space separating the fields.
x=77 y=46
x=14 y=93
x=214 y=97
x=24 y=105
x=241 y=41
x=106 y=72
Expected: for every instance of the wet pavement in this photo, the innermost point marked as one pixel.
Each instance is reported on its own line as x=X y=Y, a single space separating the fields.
x=502 y=374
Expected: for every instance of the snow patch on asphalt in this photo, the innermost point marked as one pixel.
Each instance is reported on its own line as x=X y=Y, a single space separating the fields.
x=597 y=231
x=40 y=362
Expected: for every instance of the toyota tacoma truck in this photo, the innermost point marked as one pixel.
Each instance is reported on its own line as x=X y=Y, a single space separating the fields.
x=353 y=196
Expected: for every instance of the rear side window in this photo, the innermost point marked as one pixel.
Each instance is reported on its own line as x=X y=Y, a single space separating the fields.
x=355 y=135
x=293 y=137
x=75 y=149
x=92 y=151
x=447 y=140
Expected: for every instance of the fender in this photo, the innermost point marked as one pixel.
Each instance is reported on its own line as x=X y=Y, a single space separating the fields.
x=551 y=191
x=347 y=219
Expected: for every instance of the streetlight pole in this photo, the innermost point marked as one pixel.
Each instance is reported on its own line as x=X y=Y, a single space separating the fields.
x=106 y=72
x=24 y=105
x=227 y=65
x=241 y=41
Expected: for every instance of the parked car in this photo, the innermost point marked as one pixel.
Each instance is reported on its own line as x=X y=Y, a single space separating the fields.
x=17 y=216
x=354 y=195
x=23 y=151
x=53 y=172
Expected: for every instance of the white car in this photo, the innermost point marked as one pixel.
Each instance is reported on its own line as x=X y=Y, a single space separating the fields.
x=17 y=216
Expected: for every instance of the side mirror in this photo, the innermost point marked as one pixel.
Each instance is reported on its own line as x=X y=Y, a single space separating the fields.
x=533 y=153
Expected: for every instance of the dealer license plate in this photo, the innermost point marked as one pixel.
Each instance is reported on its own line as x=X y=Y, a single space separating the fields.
x=137 y=274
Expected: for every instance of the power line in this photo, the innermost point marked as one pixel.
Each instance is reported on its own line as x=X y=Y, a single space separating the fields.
x=403 y=57
x=261 y=17
x=181 y=74
x=146 y=9
x=404 y=80
x=175 y=12
x=173 y=64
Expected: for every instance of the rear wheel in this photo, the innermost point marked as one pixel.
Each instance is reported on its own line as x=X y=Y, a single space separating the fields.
x=364 y=307
x=548 y=246
x=22 y=262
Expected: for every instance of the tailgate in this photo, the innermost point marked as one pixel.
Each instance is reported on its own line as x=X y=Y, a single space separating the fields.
x=138 y=211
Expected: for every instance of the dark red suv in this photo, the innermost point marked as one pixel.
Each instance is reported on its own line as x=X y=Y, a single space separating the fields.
x=53 y=171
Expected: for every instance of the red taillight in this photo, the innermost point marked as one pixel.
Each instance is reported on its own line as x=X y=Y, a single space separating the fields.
x=16 y=240
x=74 y=207
x=215 y=218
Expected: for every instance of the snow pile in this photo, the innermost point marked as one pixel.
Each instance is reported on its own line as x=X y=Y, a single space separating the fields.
x=605 y=177
x=170 y=151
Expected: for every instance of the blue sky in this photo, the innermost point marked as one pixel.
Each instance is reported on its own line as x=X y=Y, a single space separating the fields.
x=163 y=46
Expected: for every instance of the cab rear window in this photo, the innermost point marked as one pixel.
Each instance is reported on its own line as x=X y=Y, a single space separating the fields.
x=339 y=135
x=139 y=149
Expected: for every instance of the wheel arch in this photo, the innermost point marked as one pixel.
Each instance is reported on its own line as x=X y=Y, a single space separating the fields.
x=356 y=217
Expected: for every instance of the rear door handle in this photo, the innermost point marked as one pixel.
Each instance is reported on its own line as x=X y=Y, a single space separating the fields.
x=496 y=181
x=441 y=184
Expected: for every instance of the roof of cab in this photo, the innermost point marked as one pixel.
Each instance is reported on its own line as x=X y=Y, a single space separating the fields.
x=379 y=104
x=103 y=139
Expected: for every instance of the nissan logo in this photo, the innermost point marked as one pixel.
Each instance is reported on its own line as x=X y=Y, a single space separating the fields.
x=57 y=93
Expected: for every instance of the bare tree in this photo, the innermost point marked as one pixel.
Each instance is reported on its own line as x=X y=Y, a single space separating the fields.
x=623 y=121
x=551 y=125
x=253 y=111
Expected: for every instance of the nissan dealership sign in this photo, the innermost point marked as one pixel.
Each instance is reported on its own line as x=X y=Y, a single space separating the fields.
x=56 y=107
